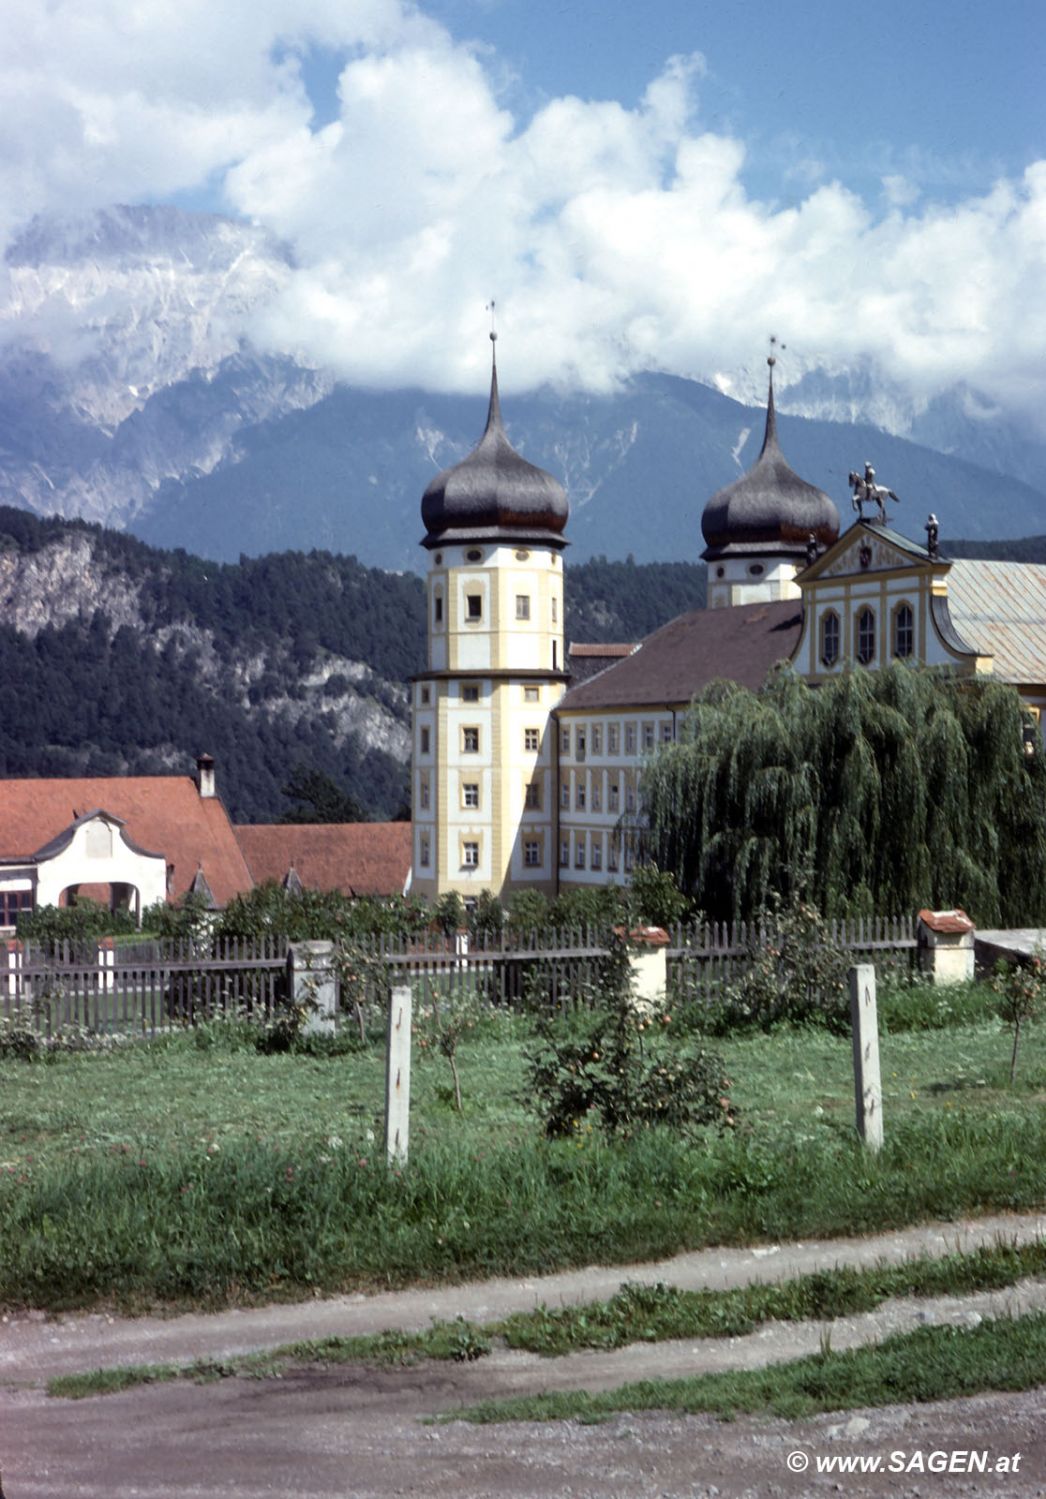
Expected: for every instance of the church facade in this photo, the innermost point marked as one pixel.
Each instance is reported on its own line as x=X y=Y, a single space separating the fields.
x=525 y=777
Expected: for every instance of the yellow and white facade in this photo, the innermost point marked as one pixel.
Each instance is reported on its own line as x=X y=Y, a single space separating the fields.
x=484 y=763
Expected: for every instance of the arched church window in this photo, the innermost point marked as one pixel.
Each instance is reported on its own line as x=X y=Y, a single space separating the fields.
x=903 y=631
x=830 y=637
x=866 y=636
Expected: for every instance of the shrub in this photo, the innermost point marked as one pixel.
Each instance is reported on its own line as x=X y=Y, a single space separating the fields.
x=617 y=1067
x=795 y=974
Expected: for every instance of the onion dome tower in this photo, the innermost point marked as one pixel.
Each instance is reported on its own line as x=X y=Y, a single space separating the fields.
x=482 y=779
x=760 y=530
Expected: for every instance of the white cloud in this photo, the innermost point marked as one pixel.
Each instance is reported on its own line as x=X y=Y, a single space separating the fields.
x=614 y=239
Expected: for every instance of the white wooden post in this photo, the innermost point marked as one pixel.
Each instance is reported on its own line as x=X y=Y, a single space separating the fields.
x=15 y=961
x=868 y=1087
x=397 y=1076
x=106 y=964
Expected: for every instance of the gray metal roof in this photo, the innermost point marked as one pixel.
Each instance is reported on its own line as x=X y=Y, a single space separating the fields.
x=494 y=491
x=1000 y=608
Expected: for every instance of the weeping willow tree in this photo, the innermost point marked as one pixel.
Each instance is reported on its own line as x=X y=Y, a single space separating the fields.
x=878 y=792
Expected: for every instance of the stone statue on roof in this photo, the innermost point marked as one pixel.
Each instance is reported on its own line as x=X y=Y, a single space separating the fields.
x=867 y=492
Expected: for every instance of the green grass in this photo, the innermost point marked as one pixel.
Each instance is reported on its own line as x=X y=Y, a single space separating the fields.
x=207 y=1174
x=934 y=1363
x=638 y=1313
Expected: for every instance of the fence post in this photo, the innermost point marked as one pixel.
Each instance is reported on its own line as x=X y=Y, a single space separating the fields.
x=313 y=982
x=15 y=961
x=868 y=1087
x=106 y=965
x=397 y=1076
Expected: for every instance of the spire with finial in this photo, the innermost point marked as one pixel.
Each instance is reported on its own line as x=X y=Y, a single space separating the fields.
x=770 y=435
x=494 y=409
x=769 y=511
x=494 y=492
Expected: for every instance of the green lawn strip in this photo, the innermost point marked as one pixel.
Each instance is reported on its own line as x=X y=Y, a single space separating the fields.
x=933 y=1363
x=636 y=1314
x=264 y=1221
x=458 y=1340
x=654 y=1313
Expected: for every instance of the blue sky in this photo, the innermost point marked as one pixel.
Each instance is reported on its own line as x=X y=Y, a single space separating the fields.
x=950 y=93
x=640 y=187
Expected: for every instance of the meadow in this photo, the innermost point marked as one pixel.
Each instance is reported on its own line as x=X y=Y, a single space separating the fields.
x=194 y=1170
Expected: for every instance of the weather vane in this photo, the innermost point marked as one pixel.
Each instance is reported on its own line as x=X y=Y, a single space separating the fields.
x=867 y=492
x=774 y=344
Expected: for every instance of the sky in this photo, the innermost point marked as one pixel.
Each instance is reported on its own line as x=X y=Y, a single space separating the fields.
x=659 y=186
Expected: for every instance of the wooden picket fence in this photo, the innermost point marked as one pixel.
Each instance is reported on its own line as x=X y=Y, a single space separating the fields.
x=148 y=987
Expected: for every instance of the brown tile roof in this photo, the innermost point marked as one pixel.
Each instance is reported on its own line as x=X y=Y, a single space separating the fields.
x=740 y=643
x=358 y=858
x=584 y=661
x=164 y=814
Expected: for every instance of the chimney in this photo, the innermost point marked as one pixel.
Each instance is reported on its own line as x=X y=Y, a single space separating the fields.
x=205 y=775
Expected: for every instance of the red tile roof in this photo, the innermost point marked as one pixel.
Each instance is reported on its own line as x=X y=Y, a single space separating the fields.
x=357 y=858
x=164 y=814
x=740 y=643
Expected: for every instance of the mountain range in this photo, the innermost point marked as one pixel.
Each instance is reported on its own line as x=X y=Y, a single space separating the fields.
x=131 y=394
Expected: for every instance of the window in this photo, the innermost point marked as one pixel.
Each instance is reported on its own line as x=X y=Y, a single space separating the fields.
x=564 y=794
x=630 y=738
x=612 y=856
x=522 y=605
x=475 y=555
x=648 y=736
x=532 y=739
x=532 y=796
x=531 y=853
x=424 y=741
x=437 y=608
x=597 y=793
x=597 y=853
x=11 y=903
x=564 y=853
x=580 y=794
x=473 y=607
x=470 y=741
x=564 y=741
x=531 y=694
x=830 y=638
x=597 y=739
x=555 y=610
x=579 y=850
x=866 y=636
x=582 y=743
x=424 y=696
x=613 y=738
x=470 y=854
x=423 y=850
x=423 y=791
x=470 y=693
x=630 y=797
x=470 y=793
x=903 y=632
x=666 y=732
x=613 y=795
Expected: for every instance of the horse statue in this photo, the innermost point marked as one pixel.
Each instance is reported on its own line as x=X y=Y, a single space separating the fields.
x=867 y=492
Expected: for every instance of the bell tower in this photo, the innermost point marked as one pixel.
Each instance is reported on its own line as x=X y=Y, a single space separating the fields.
x=483 y=783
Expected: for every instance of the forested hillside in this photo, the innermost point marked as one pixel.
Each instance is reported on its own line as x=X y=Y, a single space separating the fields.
x=119 y=658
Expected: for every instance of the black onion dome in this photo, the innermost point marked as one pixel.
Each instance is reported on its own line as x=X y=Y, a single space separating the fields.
x=493 y=492
x=769 y=509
